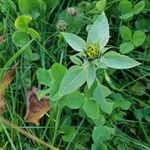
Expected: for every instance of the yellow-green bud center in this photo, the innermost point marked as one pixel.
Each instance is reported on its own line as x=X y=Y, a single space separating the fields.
x=92 y=51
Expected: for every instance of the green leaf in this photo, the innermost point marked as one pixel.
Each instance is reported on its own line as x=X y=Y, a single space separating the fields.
x=34 y=34
x=91 y=109
x=122 y=103
x=127 y=16
x=74 y=78
x=138 y=38
x=105 y=90
x=68 y=133
x=99 y=146
x=100 y=5
x=52 y=78
x=32 y=7
x=126 y=47
x=138 y=114
x=90 y=74
x=42 y=93
x=74 y=100
x=125 y=6
x=44 y=77
x=138 y=89
x=35 y=57
x=20 y=39
x=126 y=33
x=76 y=60
x=74 y=41
x=117 y=61
x=101 y=134
x=54 y=87
x=23 y=6
x=89 y=92
x=58 y=71
x=99 y=97
x=99 y=31
x=139 y=7
x=121 y=147
x=126 y=105
x=21 y=23
x=110 y=82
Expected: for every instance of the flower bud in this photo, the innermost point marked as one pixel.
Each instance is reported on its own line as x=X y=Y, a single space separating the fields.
x=72 y=11
x=61 y=25
x=92 y=51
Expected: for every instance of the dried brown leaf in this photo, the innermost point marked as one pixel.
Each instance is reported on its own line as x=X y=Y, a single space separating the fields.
x=4 y=84
x=35 y=109
x=8 y=77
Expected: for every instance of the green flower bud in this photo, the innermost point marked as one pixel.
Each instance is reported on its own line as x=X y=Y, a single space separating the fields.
x=92 y=51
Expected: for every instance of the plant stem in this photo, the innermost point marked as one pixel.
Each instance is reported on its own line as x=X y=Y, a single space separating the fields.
x=57 y=124
x=32 y=137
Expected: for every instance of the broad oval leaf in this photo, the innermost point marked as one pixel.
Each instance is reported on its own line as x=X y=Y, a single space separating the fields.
x=68 y=133
x=74 y=41
x=126 y=33
x=125 y=6
x=32 y=7
x=91 y=109
x=126 y=47
x=24 y=6
x=44 y=77
x=74 y=78
x=99 y=97
x=99 y=31
x=138 y=38
x=34 y=34
x=97 y=146
x=58 y=71
x=21 y=23
x=101 y=134
x=127 y=16
x=20 y=39
x=118 y=61
x=74 y=100
x=105 y=90
x=139 y=7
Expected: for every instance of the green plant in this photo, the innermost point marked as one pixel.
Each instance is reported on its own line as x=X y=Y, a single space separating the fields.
x=130 y=41
x=22 y=36
x=67 y=86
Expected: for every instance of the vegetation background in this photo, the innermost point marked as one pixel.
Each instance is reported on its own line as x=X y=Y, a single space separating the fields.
x=129 y=23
